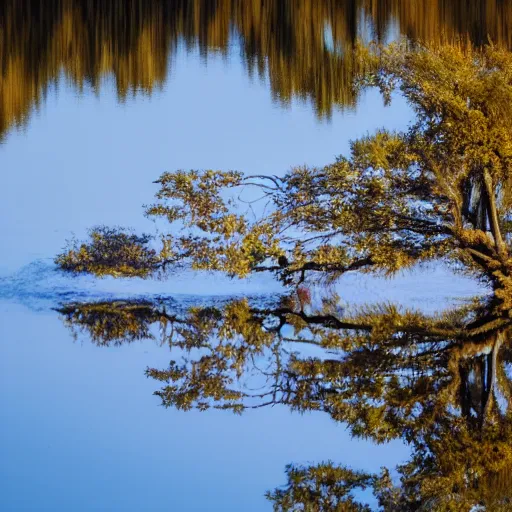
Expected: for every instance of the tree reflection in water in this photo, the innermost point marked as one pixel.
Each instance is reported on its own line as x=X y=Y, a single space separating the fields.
x=440 y=383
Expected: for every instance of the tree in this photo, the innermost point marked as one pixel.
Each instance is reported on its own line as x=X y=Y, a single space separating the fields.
x=441 y=190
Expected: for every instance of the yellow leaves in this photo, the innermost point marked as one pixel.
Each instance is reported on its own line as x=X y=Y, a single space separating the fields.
x=324 y=487
x=110 y=252
x=383 y=150
x=231 y=224
x=112 y=322
x=503 y=292
x=474 y=237
x=329 y=254
x=397 y=200
x=198 y=197
x=392 y=374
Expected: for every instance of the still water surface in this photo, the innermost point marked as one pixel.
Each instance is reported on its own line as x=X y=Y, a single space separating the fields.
x=96 y=101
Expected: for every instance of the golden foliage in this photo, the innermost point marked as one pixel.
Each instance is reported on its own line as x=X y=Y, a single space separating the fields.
x=134 y=40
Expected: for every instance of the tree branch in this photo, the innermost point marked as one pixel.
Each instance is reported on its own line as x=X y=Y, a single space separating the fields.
x=493 y=215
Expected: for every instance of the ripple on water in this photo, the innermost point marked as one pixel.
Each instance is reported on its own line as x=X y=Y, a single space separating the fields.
x=40 y=285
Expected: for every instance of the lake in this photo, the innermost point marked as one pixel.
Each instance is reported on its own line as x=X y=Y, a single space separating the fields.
x=97 y=100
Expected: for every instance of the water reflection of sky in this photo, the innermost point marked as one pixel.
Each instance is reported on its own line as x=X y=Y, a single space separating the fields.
x=80 y=429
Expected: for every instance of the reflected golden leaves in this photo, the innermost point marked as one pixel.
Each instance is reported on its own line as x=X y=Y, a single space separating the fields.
x=305 y=48
x=432 y=381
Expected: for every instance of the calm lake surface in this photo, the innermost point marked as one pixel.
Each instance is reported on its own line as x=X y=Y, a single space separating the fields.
x=97 y=99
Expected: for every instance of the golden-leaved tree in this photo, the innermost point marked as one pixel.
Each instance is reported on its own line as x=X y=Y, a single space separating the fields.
x=440 y=190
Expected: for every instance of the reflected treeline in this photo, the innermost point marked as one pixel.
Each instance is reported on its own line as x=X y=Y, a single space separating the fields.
x=304 y=47
x=442 y=384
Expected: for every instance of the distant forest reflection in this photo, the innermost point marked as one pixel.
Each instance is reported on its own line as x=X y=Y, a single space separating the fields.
x=305 y=48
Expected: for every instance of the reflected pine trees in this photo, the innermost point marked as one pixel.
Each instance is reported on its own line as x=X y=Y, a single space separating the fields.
x=305 y=48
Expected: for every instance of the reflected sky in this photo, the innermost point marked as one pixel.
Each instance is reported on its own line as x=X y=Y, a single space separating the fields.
x=440 y=383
